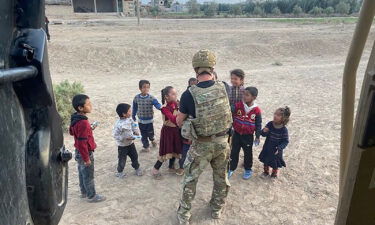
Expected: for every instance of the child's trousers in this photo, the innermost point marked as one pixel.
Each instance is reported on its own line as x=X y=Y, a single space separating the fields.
x=246 y=143
x=123 y=153
x=147 y=132
x=86 y=175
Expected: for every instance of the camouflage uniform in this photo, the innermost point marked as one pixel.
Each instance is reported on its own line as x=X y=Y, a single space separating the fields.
x=200 y=155
x=208 y=132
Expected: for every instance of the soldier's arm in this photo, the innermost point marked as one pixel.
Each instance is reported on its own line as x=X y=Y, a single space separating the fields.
x=180 y=118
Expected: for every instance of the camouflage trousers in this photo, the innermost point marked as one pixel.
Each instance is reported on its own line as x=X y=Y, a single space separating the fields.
x=199 y=156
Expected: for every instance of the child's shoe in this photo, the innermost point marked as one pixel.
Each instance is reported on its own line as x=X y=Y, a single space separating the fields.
x=274 y=174
x=139 y=172
x=180 y=172
x=247 y=174
x=230 y=173
x=97 y=198
x=265 y=175
x=266 y=172
x=154 y=144
x=156 y=174
x=171 y=170
x=145 y=150
x=120 y=175
x=83 y=195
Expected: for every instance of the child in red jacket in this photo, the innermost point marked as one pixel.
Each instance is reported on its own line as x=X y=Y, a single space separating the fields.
x=247 y=120
x=85 y=145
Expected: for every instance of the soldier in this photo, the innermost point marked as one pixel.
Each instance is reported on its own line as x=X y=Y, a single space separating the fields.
x=205 y=118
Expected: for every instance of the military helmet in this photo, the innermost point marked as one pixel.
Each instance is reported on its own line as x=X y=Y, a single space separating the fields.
x=204 y=59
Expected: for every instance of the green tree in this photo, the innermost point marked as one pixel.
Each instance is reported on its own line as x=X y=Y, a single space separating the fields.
x=155 y=11
x=354 y=5
x=276 y=11
x=329 y=11
x=343 y=8
x=235 y=10
x=211 y=9
x=297 y=10
x=258 y=11
x=224 y=7
x=316 y=11
x=193 y=7
x=268 y=6
x=249 y=7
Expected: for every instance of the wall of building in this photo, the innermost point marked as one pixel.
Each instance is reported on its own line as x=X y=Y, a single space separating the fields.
x=81 y=6
x=58 y=2
x=102 y=6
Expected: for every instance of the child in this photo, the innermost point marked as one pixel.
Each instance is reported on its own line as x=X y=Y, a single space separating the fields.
x=142 y=107
x=247 y=120
x=276 y=140
x=227 y=87
x=170 y=138
x=85 y=145
x=237 y=78
x=185 y=142
x=124 y=133
x=185 y=148
x=192 y=81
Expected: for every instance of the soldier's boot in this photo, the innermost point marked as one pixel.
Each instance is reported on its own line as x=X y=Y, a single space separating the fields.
x=182 y=220
x=183 y=216
x=216 y=212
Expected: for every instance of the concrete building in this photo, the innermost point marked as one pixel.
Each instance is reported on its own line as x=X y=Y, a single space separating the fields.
x=128 y=7
x=58 y=2
x=96 y=6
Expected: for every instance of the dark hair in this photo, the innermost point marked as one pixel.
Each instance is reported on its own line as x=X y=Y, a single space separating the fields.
x=143 y=82
x=122 y=108
x=193 y=79
x=79 y=100
x=252 y=90
x=165 y=92
x=285 y=114
x=238 y=73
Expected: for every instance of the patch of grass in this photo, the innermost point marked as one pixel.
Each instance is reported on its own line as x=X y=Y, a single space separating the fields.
x=64 y=93
x=320 y=20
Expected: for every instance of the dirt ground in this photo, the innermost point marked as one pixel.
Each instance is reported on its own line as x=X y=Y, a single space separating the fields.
x=109 y=55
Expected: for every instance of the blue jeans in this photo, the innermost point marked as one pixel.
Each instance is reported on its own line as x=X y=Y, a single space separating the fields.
x=86 y=175
x=185 y=149
x=147 y=132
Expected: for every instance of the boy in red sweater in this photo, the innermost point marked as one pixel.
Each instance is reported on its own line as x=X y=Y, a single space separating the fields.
x=85 y=145
x=247 y=120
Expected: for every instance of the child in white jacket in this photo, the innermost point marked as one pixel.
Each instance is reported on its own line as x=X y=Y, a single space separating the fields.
x=124 y=132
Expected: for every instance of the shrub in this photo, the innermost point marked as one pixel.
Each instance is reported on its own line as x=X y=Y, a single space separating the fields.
x=276 y=11
x=297 y=10
x=193 y=7
x=342 y=8
x=329 y=11
x=258 y=11
x=155 y=11
x=211 y=9
x=235 y=10
x=249 y=7
x=64 y=93
x=316 y=11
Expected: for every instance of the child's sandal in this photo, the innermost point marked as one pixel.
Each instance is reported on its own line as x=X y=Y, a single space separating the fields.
x=157 y=175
